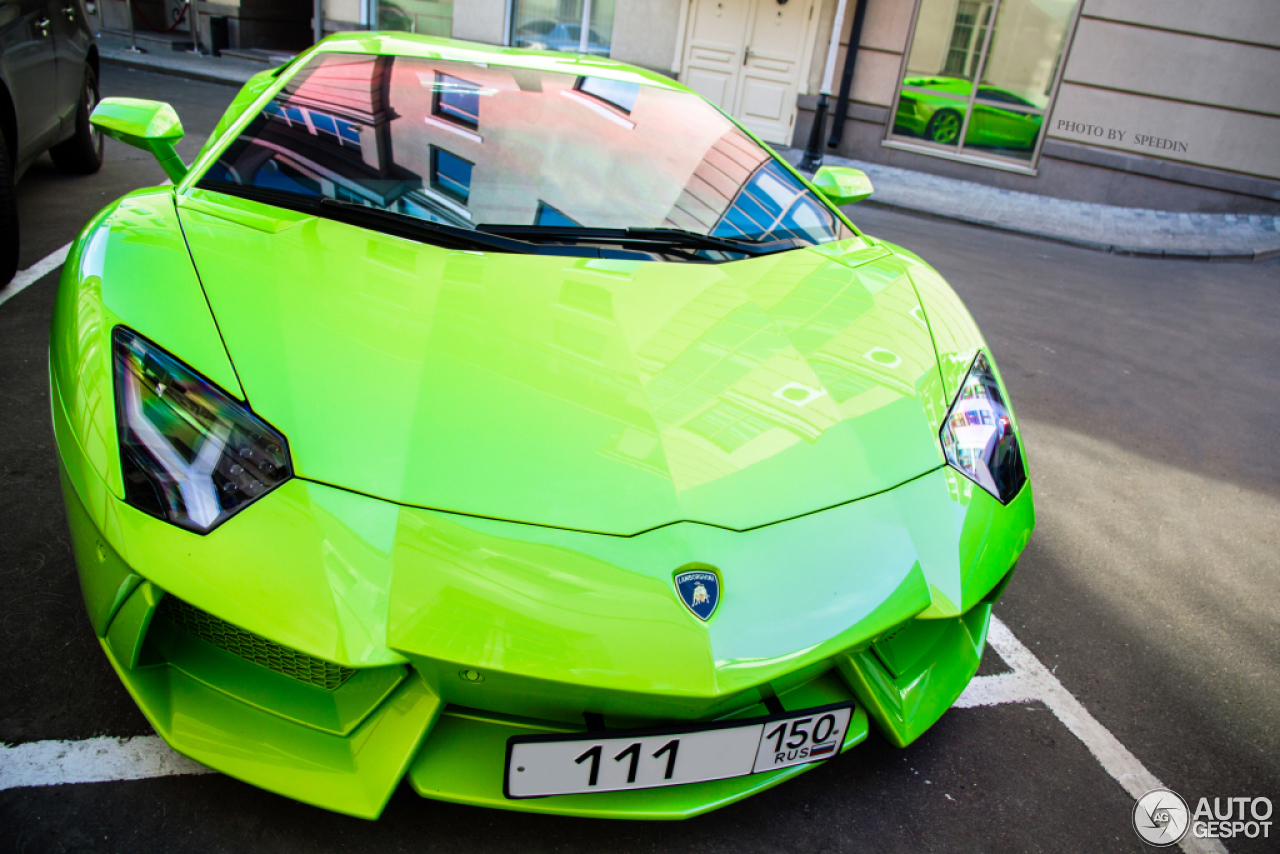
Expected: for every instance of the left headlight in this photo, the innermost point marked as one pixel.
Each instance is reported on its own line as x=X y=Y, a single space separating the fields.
x=190 y=454
x=978 y=436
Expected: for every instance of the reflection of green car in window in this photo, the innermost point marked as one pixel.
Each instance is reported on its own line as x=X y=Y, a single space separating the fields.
x=937 y=115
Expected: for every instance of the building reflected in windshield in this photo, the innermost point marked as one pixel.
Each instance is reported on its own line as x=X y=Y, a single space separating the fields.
x=468 y=144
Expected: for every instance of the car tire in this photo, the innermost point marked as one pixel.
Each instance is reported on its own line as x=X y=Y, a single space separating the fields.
x=944 y=127
x=8 y=217
x=82 y=154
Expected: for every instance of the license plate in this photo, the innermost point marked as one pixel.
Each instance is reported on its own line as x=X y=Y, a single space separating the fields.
x=611 y=761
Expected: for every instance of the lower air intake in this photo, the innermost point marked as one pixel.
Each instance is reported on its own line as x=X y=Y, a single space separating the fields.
x=251 y=647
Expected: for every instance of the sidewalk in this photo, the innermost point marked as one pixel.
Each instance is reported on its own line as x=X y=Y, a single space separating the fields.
x=1124 y=231
x=235 y=72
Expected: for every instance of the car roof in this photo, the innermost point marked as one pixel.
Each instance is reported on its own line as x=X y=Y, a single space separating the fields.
x=428 y=47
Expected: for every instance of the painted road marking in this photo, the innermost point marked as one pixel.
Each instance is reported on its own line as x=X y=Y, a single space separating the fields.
x=94 y=760
x=98 y=760
x=1031 y=680
x=28 y=277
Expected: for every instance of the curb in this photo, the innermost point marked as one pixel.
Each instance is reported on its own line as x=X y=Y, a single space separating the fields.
x=146 y=62
x=1218 y=255
x=1231 y=250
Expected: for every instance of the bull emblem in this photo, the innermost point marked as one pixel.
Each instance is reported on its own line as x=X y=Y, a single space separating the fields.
x=699 y=589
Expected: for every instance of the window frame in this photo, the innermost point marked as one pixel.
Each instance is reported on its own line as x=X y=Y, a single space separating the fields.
x=509 y=16
x=958 y=151
x=582 y=80
x=449 y=113
x=434 y=173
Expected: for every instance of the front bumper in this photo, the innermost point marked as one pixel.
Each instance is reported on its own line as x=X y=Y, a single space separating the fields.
x=451 y=634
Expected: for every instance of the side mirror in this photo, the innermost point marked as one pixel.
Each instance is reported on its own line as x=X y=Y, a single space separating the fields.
x=150 y=125
x=842 y=185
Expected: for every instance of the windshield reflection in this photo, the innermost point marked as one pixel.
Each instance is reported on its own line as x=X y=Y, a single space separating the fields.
x=471 y=145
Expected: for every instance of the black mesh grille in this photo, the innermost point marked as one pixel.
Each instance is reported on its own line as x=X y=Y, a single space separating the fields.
x=251 y=647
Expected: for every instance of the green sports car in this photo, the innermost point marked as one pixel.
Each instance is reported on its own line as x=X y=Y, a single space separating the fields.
x=517 y=425
x=933 y=108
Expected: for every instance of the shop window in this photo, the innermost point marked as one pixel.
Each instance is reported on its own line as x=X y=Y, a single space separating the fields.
x=979 y=77
x=557 y=25
x=456 y=100
x=423 y=17
x=450 y=174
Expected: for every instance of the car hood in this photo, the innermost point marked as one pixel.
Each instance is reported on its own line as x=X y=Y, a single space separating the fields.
x=597 y=395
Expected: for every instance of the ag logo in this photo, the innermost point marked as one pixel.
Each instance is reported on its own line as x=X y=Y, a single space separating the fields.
x=1161 y=817
x=700 y=592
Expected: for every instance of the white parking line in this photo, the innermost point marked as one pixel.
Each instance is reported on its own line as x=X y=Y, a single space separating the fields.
x=34 y=273
x=1031 y=680
x=97 y=760
x=94 y=760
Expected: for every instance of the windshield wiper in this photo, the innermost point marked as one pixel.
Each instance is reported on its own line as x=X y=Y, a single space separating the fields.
x=654 y=237
x=408 y=227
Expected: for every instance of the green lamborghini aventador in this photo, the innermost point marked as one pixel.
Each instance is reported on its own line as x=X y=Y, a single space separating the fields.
x=933 y=108
x=516 y=424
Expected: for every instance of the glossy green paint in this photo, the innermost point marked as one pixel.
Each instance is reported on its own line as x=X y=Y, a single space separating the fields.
x=129 y=626
x=565 y=606
x=516 y=457
x=842 y=185
x=150 y=125
x=877 y=561
x=244 y=100
x=337 y=711
x=905 y=704
x=353 y=774
x=646 y=393
x=130 y=265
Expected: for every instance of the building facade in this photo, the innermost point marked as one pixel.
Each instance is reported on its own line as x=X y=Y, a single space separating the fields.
x=1167 y=104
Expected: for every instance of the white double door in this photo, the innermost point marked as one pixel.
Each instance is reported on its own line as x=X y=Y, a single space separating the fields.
x=748 y=57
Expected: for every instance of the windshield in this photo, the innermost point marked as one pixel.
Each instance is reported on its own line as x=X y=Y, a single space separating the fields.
x=476 y=146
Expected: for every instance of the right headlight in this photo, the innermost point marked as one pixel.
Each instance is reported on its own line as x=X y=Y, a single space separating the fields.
x=978 y=436
x=190 y=454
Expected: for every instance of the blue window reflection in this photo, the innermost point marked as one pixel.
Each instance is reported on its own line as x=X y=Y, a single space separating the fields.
x=324 y=123
x=613 y=92
x=278 y=176
x=773 y=205
x=349 y=133
x=458 y=100
x=548 y=215
x=450 y=174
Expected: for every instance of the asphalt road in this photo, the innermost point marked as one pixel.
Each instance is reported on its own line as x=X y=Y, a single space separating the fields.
x=1149 y=394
